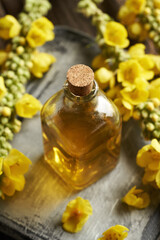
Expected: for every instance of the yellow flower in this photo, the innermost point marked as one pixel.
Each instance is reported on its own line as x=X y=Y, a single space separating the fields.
x=3 y=56
x=154 y=89
x=27 y=106
x=149 y=156
x=46 y=26
x=128 y=72
x=131 y=72
x=98 y=62
x=126 y=16
x=114 y=92
x=137 y=50
x=9 y=27
x=116 y=35
x=76 y=214
x=41 y=63
x=10 y=185
x=125 y=108
x=105 y=78
x=136 y=6
x=3 y=89
x=15 y=165
x=137 y=198
x=150 y=178
x=146 y=61
x=117 y=232
x=41 y=31
x=134 y=95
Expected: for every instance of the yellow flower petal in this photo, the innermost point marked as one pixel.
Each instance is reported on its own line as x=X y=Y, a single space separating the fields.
x=41 y=63
x=9 y=27
x=19 y=182
x=134 y=96
x=144 y=156
x=149 y=156
x=35 y=37
x=14 y=166
x=114 y=92
x=103 y=76
x=149 y=176
x=98 y=62
x=146 y=62
x=41 y=31
x=76 y=214
x=136 y=6
x=128 y=72
x=155 y=144
x=7 y=186
x=126 y=16
x=117 y=232
x=116 y=35
x=46 y=26
x=3 y=56
x=125 y=108
x=27 y=106
x=154 y=89
x=137 y=198
x=16 y=163
x=3 y=89
x=137 y=50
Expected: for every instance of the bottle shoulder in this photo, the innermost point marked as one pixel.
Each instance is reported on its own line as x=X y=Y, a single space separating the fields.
x=98 y=108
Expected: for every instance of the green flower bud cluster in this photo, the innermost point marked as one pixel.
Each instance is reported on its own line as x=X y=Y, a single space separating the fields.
x=151 y=20
x=148 y=113
x=16 y=73
x=115 y=55
x=32 y=11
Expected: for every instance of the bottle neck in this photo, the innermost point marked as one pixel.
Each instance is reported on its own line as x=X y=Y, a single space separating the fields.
x=81 y=99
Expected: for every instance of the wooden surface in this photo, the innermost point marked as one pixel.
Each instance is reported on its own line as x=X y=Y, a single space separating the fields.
x=36 y=212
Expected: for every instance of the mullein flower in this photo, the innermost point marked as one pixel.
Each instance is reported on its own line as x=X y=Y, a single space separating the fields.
x=9 y=27
x=41 y=63
x=137 y=198
x=117 y=232
x=13 y=168
x=76 y=214
x=148 y=157
x=27 y=106
x=105 y=78
x=115 y=34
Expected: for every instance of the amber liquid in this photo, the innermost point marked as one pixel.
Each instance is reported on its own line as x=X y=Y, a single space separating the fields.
x=81 y=145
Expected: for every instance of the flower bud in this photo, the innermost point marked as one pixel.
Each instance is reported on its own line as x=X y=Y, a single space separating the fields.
x=156 y=102
x=4 y=120
x=150 y=106
x=20 y=50
x=6 y=111
x=144 y=114
x=150 y=126
x=136 y=115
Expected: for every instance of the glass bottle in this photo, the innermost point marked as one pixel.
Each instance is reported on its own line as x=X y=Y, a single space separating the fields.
x=81 y=130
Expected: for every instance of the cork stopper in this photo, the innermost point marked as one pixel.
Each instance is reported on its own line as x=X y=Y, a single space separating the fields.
x=80 y=79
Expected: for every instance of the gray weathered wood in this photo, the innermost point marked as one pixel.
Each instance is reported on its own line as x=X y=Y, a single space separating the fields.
x=36 y=212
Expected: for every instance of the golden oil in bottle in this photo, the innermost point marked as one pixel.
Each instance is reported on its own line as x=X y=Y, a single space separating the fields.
x=81 y=130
